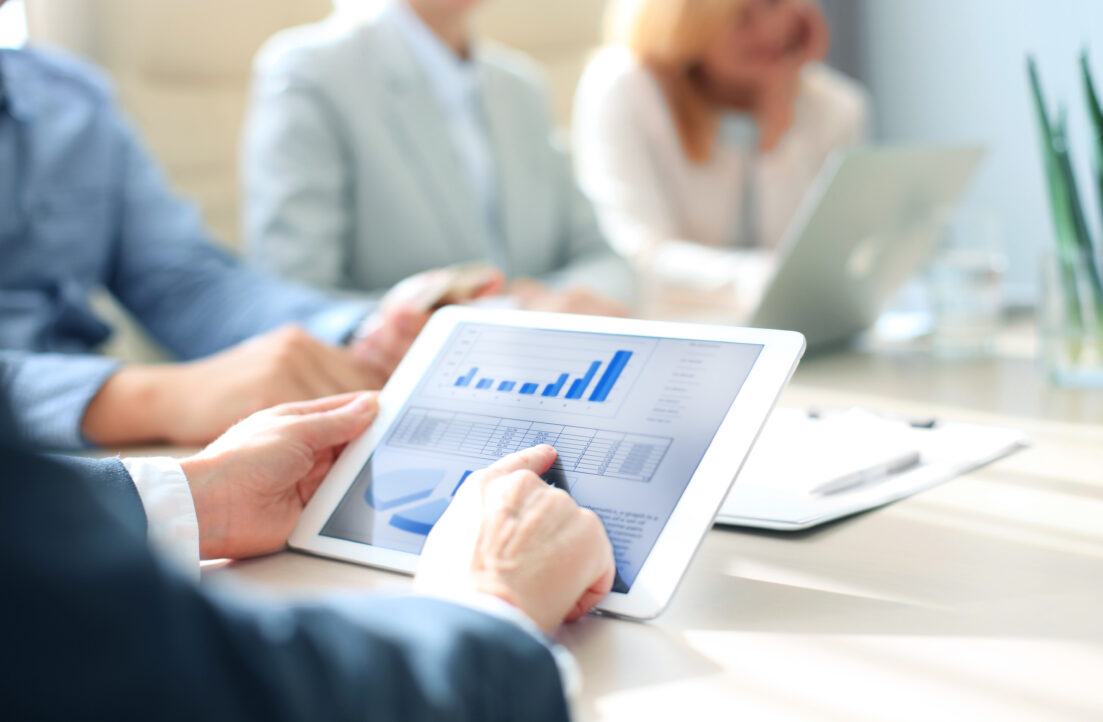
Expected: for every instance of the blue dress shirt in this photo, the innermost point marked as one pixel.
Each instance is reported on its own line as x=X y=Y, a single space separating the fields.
x=82 y=206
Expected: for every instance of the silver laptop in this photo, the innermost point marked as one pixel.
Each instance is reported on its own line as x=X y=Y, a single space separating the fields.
x=867 y=225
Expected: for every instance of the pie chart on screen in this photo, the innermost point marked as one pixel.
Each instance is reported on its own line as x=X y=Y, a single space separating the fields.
x=406 y=491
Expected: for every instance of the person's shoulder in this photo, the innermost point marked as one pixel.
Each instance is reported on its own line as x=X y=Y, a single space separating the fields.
x=512 y=67
x=616 y=75
x=616 y=84
x=317 y=48
x=835 y=93
x=61 y=75
x=516 y=78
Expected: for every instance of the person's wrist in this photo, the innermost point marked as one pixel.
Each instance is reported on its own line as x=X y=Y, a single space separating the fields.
x=201 y=471
x=129 y=408
x=492 y=585
x=487 y=585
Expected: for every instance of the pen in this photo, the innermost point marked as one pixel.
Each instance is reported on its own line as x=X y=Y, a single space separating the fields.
x=916 y=422
x=557 y=477
x=867 y=477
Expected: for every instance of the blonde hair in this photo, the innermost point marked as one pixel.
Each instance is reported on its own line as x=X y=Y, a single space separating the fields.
x=669 y=37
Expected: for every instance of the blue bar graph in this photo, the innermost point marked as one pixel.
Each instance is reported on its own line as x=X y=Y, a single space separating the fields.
x=578 y=387
x=466 y=380
x=609 y=378
x=552 y=390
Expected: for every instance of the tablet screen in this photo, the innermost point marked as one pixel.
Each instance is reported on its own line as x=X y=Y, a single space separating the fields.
x=630 y=416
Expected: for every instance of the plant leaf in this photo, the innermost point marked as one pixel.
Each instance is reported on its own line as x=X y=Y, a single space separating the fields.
x=1064 y=166
x=1056 y=183
x=1059 y=207
x=1095 y=115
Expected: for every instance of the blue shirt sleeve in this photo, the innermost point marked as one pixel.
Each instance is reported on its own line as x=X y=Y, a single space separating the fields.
x=193 y=297
x=49 y=394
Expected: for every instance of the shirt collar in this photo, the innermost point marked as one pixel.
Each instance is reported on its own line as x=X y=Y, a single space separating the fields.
x=453 y=79
x=18 y=99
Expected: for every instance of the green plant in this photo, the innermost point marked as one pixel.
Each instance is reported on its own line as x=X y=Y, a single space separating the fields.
x=1077 y=259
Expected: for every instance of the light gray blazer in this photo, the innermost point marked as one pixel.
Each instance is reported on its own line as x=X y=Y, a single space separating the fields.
x=352 y=181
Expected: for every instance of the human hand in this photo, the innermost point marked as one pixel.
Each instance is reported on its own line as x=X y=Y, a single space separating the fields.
x=509 y=534
x=385 y=337
x=535 y=296
x=755 y=66
x=192 y=403
x=812 y=34
x=796 y=34
x=251 y=485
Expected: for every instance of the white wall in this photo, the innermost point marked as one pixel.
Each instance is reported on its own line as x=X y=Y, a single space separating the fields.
x=954 y=71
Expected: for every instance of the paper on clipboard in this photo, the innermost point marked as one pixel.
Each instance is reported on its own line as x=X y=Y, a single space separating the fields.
x=777 y=487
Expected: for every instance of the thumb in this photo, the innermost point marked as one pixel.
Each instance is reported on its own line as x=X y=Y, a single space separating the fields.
x=333 y=427
x=594 y=593
x=314 y=406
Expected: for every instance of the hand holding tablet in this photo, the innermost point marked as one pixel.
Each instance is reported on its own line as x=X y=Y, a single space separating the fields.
x=651 y=422
x=509 y=534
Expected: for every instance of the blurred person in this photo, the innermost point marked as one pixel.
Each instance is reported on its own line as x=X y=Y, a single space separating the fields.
x=699 y=130
x=379 y=148
x=108 y=623
x=83 y=207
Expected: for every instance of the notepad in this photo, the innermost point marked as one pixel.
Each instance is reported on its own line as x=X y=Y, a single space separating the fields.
x=806 y=471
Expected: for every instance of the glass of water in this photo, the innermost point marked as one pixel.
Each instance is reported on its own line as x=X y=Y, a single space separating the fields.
x=965 y=286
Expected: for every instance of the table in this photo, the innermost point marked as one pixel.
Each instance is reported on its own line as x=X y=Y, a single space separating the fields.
x=979 y=599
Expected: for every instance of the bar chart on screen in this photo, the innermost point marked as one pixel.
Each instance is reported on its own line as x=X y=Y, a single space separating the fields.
x=531 y=368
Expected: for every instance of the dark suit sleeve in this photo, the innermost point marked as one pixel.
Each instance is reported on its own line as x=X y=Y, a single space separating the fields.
x=96 y=629
x=116 y=494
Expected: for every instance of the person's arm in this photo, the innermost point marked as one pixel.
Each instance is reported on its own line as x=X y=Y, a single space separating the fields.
x=297 y=218
x=105 y=632
x=192 y=403
x=49 y=394
x=138 y=642
x=191 y=296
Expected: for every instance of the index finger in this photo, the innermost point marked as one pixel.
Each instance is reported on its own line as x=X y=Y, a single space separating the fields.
x=537 y=459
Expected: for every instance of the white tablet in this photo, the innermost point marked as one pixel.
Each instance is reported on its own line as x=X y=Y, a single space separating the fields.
x=652 y=422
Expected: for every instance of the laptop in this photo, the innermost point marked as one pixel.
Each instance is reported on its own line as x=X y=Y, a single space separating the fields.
x=869 y=222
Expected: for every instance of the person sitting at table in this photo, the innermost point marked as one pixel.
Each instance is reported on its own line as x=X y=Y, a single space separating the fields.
x=700 y=128
x=105 y=620
x=378 y=148
x=82 y=207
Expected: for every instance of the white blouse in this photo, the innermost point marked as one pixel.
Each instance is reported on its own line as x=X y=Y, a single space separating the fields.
x=677 y=219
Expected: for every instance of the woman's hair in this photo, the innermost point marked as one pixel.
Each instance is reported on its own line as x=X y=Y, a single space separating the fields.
x=668 y=33
x=669 y=37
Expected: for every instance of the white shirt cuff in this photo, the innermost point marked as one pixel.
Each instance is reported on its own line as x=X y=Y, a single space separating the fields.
x=173 y=526
x=570 y=674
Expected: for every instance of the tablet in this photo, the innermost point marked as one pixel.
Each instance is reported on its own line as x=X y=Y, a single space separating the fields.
x=652 y=422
